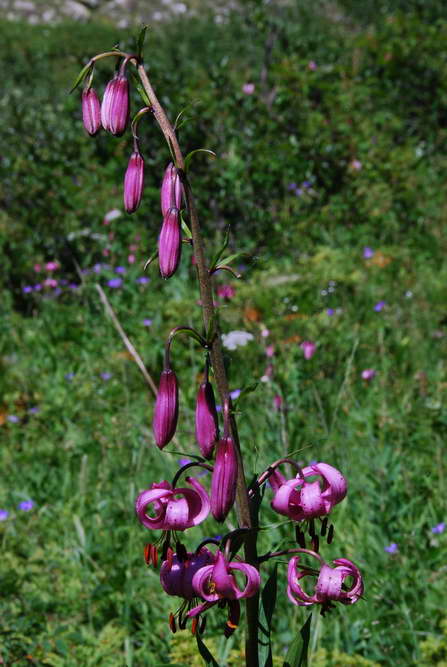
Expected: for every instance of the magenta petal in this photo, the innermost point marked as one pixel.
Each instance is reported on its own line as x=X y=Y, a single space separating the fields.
x=206 y=419
x=170 y=243
x=293 y=586
x=276 y=480
x=166 y=409
x=311 y=501
x=223 y=481
x=329 y=584
x=158 y=497
x=199 y=503
x=195 y=611
x=253 y=579
x=286 y=500
x=171 y=190
x=176 y=576
x=177 y=513
x=349 y=569
x=91 y=111
x=201 y=584
x=133 y=182
x=335 y=485
x=223 y=581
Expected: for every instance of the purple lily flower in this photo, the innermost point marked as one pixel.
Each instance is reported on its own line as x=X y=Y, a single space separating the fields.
x=173 y=512
x=115 y=105
x=91 y=111
x=133 y=182
x=329 y=586
x=216 y=582
x=176 y=574
x=166 y=409
x=171 y=190
x=300 y=499
x=223 y=481
x=170 y=243
x=207 y=429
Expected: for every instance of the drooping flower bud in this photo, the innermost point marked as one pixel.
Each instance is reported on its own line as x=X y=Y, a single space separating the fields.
x=207 y=429
x=171 y=190
x=133 y=182
x=91 y=111
x=166 y=409
x=170 y=243
x=115 y=105
x=223 y=482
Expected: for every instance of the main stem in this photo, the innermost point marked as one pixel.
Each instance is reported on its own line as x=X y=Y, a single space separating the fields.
x=245 y=518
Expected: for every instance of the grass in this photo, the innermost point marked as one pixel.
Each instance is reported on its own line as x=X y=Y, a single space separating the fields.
x=76 y=587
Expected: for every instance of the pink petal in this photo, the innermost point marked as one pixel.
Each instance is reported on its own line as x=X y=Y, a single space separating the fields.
x=311 y=500
x=224 y=582
x=293 y=586
x=253 y=579
x=286 y=500
x=329 y=584
x=152 y=496
x=200 y=503
x=201 y=584
x=351 y=570
x=335 y=485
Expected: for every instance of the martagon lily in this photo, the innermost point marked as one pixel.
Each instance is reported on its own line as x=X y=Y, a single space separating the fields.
x=330 y=586
x=174 y=508
x=301 y=498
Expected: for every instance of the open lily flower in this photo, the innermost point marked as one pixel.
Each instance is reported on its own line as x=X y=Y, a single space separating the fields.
x=330 y=583
x=216 y=582
x=173 y=509
x=300 y=499
x=176 y=574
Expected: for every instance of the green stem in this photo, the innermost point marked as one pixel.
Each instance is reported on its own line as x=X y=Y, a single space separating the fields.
x=217 y=360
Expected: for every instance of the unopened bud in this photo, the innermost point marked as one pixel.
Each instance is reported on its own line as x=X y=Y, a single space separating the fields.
x=223 y=482
x=171 y=190
x=115 y=105
x=166 y=409
x=206 y=419
x=170 y=243
x=91 y=111
x=133 y=182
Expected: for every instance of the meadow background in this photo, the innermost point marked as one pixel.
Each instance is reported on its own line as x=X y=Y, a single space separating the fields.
x=330 y=129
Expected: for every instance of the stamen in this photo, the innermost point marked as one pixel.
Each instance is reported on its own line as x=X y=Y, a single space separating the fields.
x=172 y=623
x=315 y=543
x=148 y=553
x=312 y=527
x=330 y=534
x=194 y=624
x=323 y=526
x=300 y=537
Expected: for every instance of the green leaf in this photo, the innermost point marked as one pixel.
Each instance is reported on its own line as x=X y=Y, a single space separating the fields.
x=140 y=41
x=267 y=607
x=151 y=259
x=140 y=89
x=188 y=158
x=185 y=227
x=231 y=258
x=205 y=653
x=220 y=252
x=81 y=76
x=297 y=653
x=244 y=392
x=189 y=332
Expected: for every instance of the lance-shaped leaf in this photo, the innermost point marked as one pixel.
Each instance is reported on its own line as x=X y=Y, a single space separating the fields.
x=297 y=653
x=140 y=41
x=81 y=76
x=266 y=609
x=190 y=155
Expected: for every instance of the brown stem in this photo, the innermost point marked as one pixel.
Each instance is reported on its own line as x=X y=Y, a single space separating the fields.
x=216 y=354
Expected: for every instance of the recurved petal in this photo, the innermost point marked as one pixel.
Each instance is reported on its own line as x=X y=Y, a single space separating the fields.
x=311 y=501
x=201 y=584
x=177 y=516
x=158 y=498
x=199 y=501
x=286 y=500
x=253 y=579
x=335 y=486
x=294 y=588
x=329 y=583
x=276 y=480
x=351 y=570
x=223 y=580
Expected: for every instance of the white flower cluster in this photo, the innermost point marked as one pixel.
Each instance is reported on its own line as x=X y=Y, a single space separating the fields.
x=235 y=339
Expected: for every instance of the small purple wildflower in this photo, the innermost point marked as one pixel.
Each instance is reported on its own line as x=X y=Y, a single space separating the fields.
x=312 y=65
x=73 y=286
x=69 y=376
x=25 y=505
x=306 y=184
x=235 y=394
x=147 y=322
x=13 y=419
x=106 y=375
x=97 y=268
x=368 y=374
x=115 y=282
x=143 y=280
x=120 y=269
x=392 y=548
x=27 y=289
x=379 y=306
x=292 y=186
x=248 y=88
x=34 y=410
x=298 y=192
x=330 y=312
x=368 y=252
x=37 y=287
x=4 y=515
x=438 y=529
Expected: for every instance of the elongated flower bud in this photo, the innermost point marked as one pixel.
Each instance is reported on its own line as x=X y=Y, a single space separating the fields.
x=133 y=182
x=171 y=190
x=206 y=419
x=115 y=105
x=91 y=111
x=223 y=482
x=166 y=409
x=170 y=243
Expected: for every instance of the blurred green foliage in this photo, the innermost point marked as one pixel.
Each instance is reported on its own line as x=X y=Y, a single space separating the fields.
x=340 y=146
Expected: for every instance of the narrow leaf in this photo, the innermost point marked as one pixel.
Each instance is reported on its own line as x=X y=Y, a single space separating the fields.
x=151 y=259
x=185 y=227
x=81 y=76
x=205 y=653
x=140 y=41
x=140 y=89
x=267 y=607
x=231 y=258
x=220 y=252
x=297 y=653
x=188 y=158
